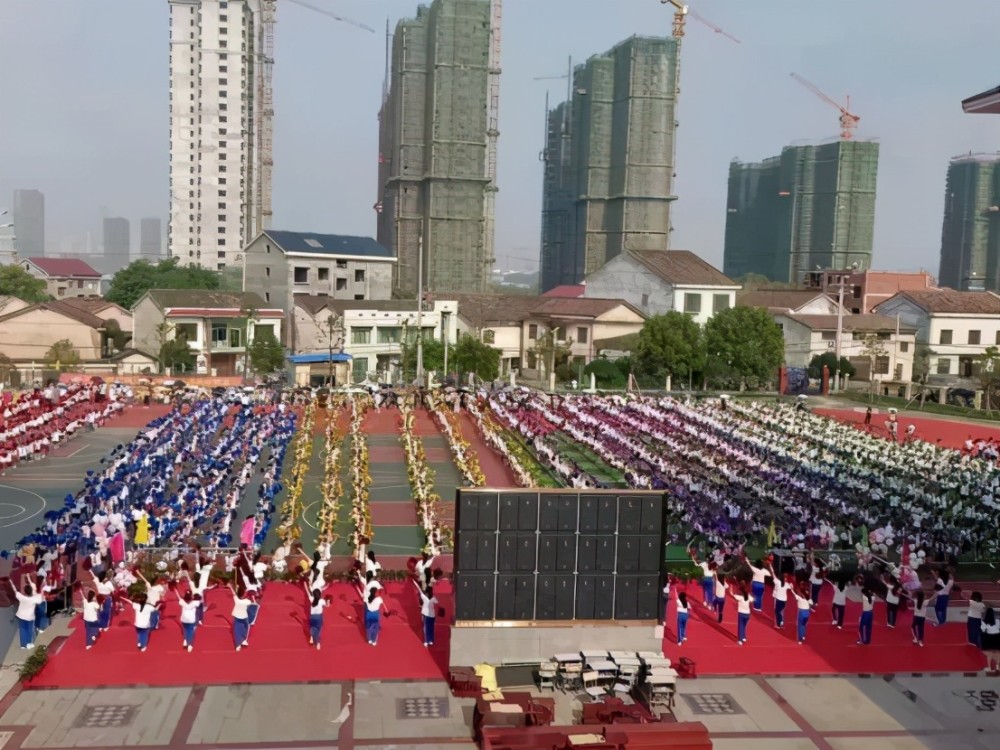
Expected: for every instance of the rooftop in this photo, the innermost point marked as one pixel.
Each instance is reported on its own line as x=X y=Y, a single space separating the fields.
x=206 y=298
x=578 y=307
x=313 y=303
x=494 y=309
x=62 y=308
x=862 y=322
x=328 y=244
x=682 y=267
x=784 y=299
x=64 y=267
x=986 y=103
x=949 y=301
x=566 y=290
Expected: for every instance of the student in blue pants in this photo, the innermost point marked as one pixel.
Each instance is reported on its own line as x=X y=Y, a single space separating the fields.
x=867 y=617
x=742 y=614
x=720 y=595
x=804 y=605
x=757 y=585
x=682 y=617
x=780 y=593
x=707 y=580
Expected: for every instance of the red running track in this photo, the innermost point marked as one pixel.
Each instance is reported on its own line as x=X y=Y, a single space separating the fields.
x=278 y=651
x=497 y=473
x=827 y=650
x=950 y=434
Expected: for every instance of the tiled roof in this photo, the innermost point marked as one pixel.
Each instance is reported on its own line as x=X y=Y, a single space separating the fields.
x=862 y=322
x=206 y=298
x=91 y=304
x=328 y=244
x=682 y=267
x=313 y=303
x=584 y=307
x=948 y=301
x=64 y=267
x=494 y=309
x=566 y=290
x=785 y=299
x=60 y=307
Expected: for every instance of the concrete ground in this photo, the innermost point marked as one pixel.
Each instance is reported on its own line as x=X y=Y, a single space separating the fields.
x=824 y=713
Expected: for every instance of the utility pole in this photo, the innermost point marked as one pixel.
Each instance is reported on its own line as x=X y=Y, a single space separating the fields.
x=331 y=322
x=840 y=333
x=420 y=304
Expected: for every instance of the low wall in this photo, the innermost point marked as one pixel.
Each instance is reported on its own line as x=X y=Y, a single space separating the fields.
x=478 y=644
x=202 y=381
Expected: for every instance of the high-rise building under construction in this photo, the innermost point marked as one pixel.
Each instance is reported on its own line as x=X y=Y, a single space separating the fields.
x=434 y=148
x=609 y=160
x=970 y=234
x=812 y=206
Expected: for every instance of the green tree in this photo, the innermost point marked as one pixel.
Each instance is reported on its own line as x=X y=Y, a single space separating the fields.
x=266 y=354
x=607 y=374
x=550 y=353
x=433 y=355
x=829 y=359
x=874 y=350
x=744 y=347
x=922 y=363
x=670 y=344
x=62 y=356
x=471 y=355
x=137 y=278
x=16 y=282
x=175 y=354
x=989 y=376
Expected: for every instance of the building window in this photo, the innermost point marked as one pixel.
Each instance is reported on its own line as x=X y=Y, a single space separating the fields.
x=881 y=365
x=341 y=264
x=943 y=366
x=359 y=276
x=186 y=331
x=532 y=332
x=359 y=369
x=341 y=283
x=720 y=302
x=390 y=335
x=223 y=82
x=581 y=335
x=235 y=336
x=692 y=303
x=645 y=300
x=904 y=346
x=828 y=336
x=301 y=274
x=974 y=337
x=219 y=334
x=267 y=296
x=267 y=271
x=361 y=335
x=324 y=274
x=222 y=240
x=359 y=296
x=945 y=339
x=489 y=336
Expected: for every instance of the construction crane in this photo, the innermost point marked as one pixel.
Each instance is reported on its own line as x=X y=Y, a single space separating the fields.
x=848 y=120
x=492 y=135
x=681 y=12
x=334 y=16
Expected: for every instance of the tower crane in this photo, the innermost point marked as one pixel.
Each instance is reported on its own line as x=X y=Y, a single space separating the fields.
x=848 y=120
x=332 y=15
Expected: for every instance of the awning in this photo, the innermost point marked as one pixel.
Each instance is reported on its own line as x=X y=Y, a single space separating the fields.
x=319 y=358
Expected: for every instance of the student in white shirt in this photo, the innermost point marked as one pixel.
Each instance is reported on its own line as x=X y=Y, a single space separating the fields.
x=816 y=578
x=143 y=619
x=867 y=617
x=241 y=619
x=839 y=601
x=424 y=572
x=707 y=579
x=742 y=614
x=428 y=612
x=91 y=614
x=371 y=564
x=719 y=594
x=371 y=582
x=757 y=584
x=105 y=591
x=944 y=585
x=892 y=594
x=189 y=618
x=154 y=596
x=780 y=595
x=920 y=605
x=974 y=622
x=991 y=639
x=374 y=605
x=683 y=614
x=316 y=606
x=805 y=605
x=25 y=616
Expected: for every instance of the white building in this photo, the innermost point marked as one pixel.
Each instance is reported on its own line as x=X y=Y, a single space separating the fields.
x=957 y=327
x=657 y=281
x=215 y=71
x=808 y=336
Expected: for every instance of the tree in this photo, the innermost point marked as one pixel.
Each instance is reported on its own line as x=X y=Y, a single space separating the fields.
x=7 y=366
x=62 y=356
x=670 y=344
x=922 y=362
x=874 y=349
x=472 y=355
x=137 y=278
x=433 y=354
x=16 y=282
x=744 y=346
x=829 y=359
x=266 y=354
x=550 y=352
x=175 y=354
x=607 y=374
x=989 y=376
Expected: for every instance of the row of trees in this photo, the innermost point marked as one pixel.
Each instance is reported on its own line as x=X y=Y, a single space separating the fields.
x=468 y=354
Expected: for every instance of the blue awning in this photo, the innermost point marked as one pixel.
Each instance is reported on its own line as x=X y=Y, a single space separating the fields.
x=320 y=358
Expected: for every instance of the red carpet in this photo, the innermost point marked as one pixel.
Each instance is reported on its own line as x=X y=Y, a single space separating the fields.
x=278 y=652
x=950 y=434
x=827 y=650
x=137 y=416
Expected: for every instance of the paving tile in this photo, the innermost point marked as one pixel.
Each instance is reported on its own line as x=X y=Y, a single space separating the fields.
x=376 y=714
x=833 y=704
x=882 y=743
x=758 y=713
x=792 y=743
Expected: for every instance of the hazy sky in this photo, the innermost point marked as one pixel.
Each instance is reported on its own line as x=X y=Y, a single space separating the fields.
x=84 y=110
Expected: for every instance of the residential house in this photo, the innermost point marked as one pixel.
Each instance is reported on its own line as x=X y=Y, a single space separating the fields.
x=28 y=333
x=9 y=304
x=657 y=281
x=280 y=266
x=566 y=290
x=808 y=336
x=794 y=301
x=371 y=333
x=864 y=290
x=65 y=277
x=497 y=320
x=103 y=309
x=956 y=327
x=218 y=326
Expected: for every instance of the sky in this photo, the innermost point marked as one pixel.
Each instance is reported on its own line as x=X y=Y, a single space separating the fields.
x=84 y=107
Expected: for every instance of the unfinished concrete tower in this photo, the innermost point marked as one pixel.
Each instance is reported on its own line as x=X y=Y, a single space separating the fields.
x=618 y=167
x=433 y=148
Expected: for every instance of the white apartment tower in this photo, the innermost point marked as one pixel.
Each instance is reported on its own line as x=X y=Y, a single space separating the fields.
x=220 y=128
